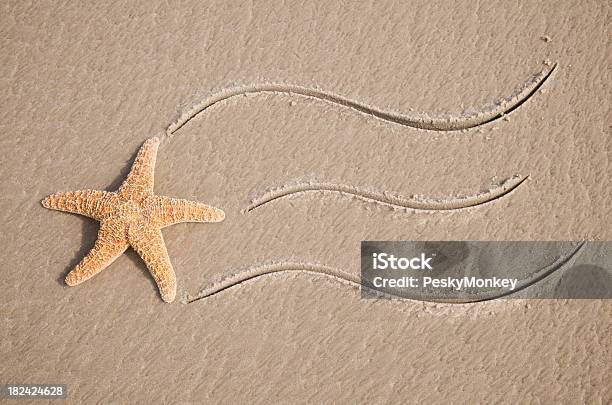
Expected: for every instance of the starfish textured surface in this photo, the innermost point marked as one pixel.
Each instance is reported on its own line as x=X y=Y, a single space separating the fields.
x=132 y=216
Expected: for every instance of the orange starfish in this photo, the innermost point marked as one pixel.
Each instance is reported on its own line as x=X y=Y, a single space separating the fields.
x=132 y=216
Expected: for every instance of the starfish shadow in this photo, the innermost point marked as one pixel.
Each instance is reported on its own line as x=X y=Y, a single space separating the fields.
x=116 y=183
x=89 y=233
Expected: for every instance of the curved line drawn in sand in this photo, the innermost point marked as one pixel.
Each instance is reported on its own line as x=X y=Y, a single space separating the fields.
x=263 y=269
x=421 y=121
x=257 y=271
x=393 y=200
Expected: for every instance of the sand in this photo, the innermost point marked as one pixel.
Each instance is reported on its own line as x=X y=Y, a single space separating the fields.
x=84 y=85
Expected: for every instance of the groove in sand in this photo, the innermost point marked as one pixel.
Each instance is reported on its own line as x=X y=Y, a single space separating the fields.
x=391 y=200
x=261 y=270
x=257 y=271
x=421 y=121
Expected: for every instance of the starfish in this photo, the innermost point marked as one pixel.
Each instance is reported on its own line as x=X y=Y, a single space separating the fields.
x=132 y=216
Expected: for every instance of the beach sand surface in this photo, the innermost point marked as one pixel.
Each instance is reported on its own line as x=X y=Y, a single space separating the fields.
x=82 y=87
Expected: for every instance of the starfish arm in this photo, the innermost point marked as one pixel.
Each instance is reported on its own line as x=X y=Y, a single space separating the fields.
x=90 y=203
x=111 y=244
x=139 y=183
x=150 y=246
x=168 y=211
